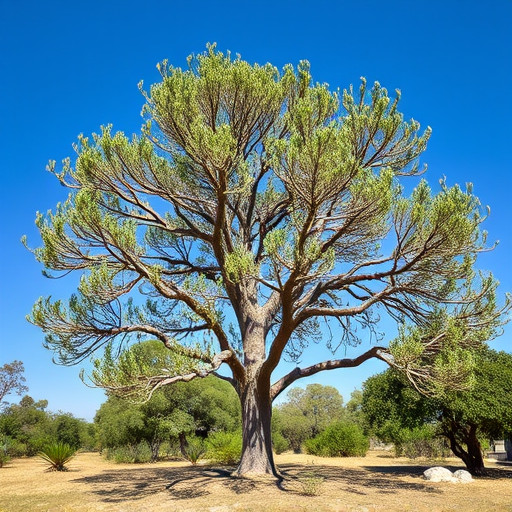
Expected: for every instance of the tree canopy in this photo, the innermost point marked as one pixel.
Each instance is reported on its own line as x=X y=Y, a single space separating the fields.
x=462 y=417
x=258 y=211
x=12 y=379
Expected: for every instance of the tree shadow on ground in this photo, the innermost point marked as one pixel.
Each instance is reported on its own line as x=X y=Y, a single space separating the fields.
x=180 y=483
x=184 y=483
x=414 y=470
x=356 y=481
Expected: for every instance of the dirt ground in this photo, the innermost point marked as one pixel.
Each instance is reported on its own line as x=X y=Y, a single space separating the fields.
x=375 y=483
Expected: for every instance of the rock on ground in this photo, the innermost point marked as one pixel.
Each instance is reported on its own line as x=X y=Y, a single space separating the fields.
x=463 y=476
x=439 y=474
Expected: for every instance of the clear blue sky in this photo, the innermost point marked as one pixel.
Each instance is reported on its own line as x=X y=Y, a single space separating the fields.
x=68 y=67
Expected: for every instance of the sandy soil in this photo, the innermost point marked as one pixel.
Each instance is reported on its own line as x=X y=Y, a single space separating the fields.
x=375 y=483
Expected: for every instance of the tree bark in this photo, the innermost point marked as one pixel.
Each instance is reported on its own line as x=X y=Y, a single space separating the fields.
x=183 y=444
x=475 y=453
x=257 y=456
x=473 y=456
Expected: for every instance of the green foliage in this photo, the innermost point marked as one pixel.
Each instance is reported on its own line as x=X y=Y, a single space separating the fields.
x=396 y=413
x=306 y=413
x=139 y=453
x=292 y=426
x=422 y=441
x=354 y=408
x=339 y=439
x=29 y=427
x=57 y=455
x=279 y=443
x=68 y=430
x=224 y=447
x=11 y=379
x=4 y=450
x=130 y=373
x=173 y=413
x=390 y=406
x=195 y=450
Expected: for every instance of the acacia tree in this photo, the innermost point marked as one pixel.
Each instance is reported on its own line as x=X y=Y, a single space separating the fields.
x=258 y=211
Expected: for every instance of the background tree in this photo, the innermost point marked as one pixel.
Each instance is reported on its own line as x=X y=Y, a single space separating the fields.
x=307 y=412
x=354 y=408
x=259 y=211
x=28 y=426
x=195 y=408
x=463 y=418
x=12 y=379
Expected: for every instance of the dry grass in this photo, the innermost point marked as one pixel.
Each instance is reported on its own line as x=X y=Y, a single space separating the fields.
x=376 y=483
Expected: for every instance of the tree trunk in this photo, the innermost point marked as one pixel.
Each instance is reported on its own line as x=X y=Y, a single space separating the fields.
x=183 y=444
x=155 y=448
x=257 y=457
x=472 y=457
x=475 y=454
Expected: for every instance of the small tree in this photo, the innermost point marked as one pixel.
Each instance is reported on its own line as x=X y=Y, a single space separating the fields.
x=255 y=208
x=12 y=379
x=463 y=418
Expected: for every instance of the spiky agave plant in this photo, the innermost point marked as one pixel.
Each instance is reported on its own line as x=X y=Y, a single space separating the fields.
x=57 y=455
x=194 y=451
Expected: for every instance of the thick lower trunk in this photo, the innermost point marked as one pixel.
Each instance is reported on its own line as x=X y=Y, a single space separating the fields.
x=475 y=455
x=472 y=456
x=257 y=457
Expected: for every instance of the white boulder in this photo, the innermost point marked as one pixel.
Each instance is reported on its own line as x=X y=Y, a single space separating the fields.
x=439 y=474
x=463 y=476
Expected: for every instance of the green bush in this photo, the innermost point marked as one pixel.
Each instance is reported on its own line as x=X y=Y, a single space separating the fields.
x=57 y=455
x=130 y=454
x=339 y=440
x=16 y=448
x=421 y=442
x=280 y=443
x=171 y=449
x=224 y=447
x=194 y=450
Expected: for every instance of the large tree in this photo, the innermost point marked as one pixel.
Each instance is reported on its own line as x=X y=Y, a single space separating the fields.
x=258 y=211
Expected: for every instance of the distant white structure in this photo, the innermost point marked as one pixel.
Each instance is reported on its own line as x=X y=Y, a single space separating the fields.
x=500 y=450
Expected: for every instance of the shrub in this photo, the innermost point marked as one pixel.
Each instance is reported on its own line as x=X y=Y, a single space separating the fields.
x=339 y=440
x=16 y=448
x=171 y=450
x=279 y=443
x=421 y=442
x=311 y=484
x=224 y=447
x=57 y=455
x=194 y=450
x=130 y=454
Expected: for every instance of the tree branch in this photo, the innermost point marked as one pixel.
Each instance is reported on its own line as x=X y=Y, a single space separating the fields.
x=298 y=373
